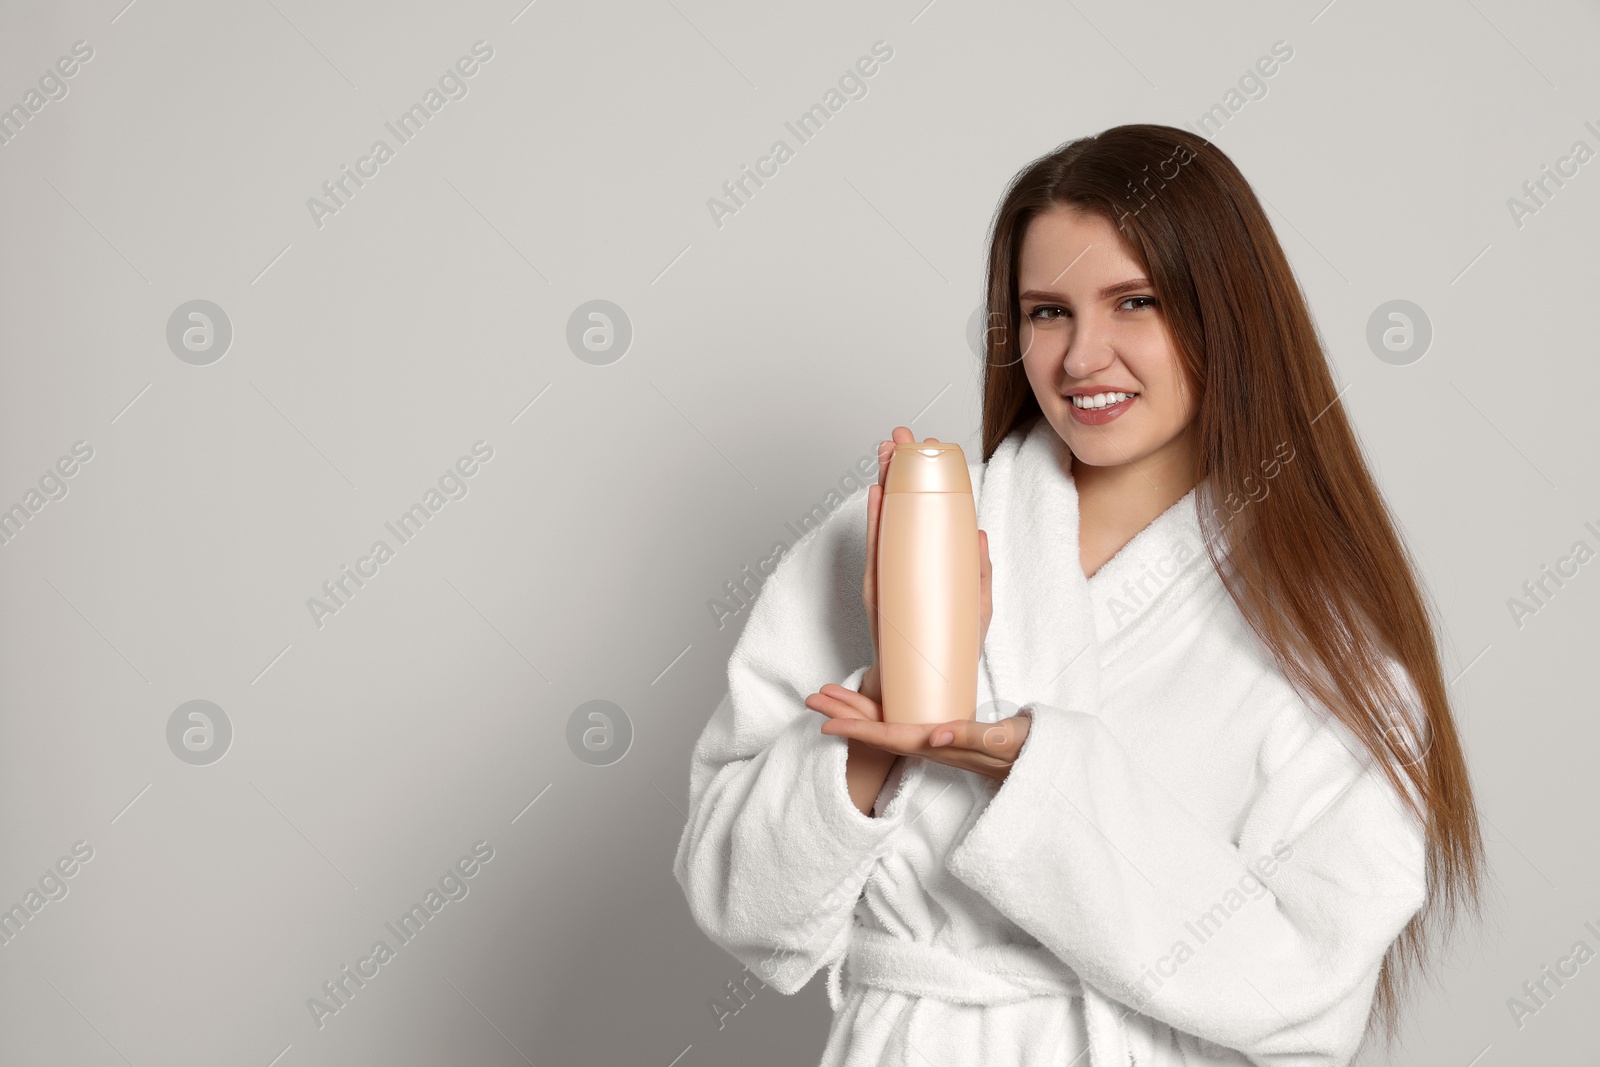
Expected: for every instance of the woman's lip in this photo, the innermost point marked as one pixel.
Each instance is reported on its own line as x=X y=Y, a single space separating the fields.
x=1099 y=416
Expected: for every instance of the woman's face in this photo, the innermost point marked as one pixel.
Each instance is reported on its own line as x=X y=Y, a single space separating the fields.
x=1092 y=325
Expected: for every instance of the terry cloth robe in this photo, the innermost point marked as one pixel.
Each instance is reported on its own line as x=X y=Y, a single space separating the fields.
x=1187 y=864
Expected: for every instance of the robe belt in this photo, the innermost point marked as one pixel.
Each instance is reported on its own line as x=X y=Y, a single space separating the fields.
x=987 y=974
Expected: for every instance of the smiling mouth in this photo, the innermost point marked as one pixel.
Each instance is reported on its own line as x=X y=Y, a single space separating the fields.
x=1099 y=400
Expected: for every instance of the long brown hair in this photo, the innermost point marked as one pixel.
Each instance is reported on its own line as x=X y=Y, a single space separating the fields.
x=1314 y=564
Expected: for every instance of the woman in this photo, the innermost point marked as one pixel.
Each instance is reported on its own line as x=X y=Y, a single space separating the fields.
x=1232 y=800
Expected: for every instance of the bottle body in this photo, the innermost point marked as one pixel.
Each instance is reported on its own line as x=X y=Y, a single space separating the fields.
x=928 y=586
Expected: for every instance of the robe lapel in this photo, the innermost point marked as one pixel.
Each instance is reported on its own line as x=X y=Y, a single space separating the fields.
x=1053 y=631
x=1150 y=580
x=1041 y=646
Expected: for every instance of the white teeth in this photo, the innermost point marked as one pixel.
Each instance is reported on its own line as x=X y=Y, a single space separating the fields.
x=1100 y=400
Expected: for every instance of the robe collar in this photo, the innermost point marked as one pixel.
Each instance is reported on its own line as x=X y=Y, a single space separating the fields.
x=1053 y=630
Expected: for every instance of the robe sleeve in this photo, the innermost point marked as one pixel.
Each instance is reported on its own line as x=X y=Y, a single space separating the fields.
x=774 y=854
x=1267 y=941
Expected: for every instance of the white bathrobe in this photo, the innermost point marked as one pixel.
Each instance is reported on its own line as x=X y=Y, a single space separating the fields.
x=1187 y=864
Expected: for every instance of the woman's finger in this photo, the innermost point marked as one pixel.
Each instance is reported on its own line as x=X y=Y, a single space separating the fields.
x=869 y=581
x=985 y=588
x=962 y=759
x=838 y=701
x=907 y=739
x=1002 y=740
x=836 y=710
x=911 y=739
x=898 y=436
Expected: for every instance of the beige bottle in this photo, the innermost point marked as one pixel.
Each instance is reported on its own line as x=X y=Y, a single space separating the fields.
x=928 y=586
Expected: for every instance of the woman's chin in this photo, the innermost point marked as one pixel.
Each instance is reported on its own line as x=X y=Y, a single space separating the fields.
x=1096 y=458
x=1103 y=448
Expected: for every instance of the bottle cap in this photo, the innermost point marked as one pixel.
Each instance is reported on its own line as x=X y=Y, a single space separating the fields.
x=928 y=467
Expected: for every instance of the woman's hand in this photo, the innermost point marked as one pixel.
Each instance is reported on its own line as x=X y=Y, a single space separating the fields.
x=869 y=580
x=985 y=594
x=872 y=757
x=984 y=748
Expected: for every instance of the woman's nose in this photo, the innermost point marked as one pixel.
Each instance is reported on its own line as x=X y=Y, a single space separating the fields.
x=1089 y=350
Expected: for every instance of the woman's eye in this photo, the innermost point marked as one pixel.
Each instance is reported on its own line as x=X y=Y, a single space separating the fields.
x=1037 y=313
x=1148 y=301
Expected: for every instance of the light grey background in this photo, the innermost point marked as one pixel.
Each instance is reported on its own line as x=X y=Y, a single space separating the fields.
x=768 y=355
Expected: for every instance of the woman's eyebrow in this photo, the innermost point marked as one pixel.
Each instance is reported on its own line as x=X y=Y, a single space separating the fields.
x=1105 y=294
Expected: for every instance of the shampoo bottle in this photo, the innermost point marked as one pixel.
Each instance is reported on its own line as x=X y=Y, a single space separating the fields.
x=928 y=586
